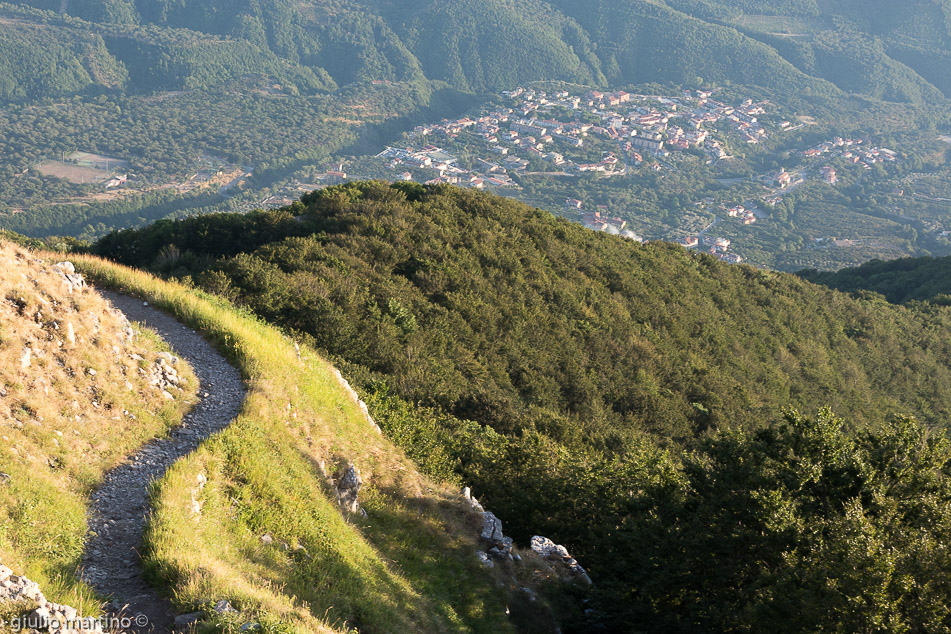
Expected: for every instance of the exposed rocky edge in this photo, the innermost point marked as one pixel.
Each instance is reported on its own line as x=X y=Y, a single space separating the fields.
x=356 y=398
x=72 y=280
x=500 y=546
x=44 y=615
x=559 y=554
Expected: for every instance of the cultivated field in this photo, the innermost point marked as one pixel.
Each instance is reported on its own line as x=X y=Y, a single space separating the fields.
x=73 y=173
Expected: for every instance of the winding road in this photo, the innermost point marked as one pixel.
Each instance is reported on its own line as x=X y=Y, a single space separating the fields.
x=120 y=507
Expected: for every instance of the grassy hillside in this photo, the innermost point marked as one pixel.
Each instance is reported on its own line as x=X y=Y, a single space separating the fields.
x=541 y=362
x=74 y=401
x=409 y=565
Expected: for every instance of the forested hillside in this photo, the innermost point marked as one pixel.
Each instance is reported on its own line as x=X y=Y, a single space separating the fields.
x=900 y=281
x=547 y=366
x=482 y=45
x=210 y=105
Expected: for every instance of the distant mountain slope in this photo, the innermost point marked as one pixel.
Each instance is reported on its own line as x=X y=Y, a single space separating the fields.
x=873 y=49
x=641 y=41
x=900 y=281
x=37 y=61
x=489 y=44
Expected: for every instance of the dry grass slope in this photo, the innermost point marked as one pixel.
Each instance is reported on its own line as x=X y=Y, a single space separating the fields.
x=75 y=398
x=407 y=567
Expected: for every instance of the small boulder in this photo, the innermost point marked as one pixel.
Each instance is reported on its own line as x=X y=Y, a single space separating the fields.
x=348 y=488
x=491 y=527
x=224 y=607
x=485 y=559
x=184 y=620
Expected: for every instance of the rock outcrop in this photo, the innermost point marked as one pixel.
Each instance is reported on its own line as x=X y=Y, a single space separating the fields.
x=45 y=616
x=499 y=547
x=558 y=554
x=348 y=488
x=72 y=280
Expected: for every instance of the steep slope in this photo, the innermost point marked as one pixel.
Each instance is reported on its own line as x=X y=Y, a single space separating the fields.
x=480 y=45
x=38 y=61
x=77 y=394
x=641 y=41
x=597 y=331
x=304 y=518
x=470 y=44
x=546 y=365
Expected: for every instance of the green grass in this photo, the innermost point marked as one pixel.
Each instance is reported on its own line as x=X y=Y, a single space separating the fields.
x=409 y=566
x=60 y=428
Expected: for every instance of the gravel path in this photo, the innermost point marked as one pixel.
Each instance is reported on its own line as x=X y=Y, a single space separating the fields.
x=120 y=507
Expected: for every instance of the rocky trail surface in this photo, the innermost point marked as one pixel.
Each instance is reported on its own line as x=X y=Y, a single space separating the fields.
x=120 y=507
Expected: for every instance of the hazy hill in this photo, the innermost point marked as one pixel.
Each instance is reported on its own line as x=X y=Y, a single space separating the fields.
x=573 y=354
x=480 y=45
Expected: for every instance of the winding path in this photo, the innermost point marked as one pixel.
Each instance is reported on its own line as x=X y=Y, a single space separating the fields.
x=120 y=507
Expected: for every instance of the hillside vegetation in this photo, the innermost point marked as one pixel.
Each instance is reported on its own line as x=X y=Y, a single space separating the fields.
x=482 y=45
x=561 y=372
x=75 y=398
x=265 y=530
x=900 y=281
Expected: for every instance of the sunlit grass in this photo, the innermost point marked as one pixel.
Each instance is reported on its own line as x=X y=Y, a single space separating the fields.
x=61 y=426
x=409 y=566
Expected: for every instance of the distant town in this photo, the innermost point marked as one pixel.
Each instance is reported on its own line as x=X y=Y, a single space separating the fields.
x=531 y=132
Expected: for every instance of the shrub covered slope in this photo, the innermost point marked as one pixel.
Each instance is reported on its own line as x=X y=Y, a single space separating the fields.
x=546 y=364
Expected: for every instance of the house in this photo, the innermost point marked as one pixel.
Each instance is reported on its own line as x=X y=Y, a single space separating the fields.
x=528 y=129
x=828 y=174
x=336 y=177
x=118 y=180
